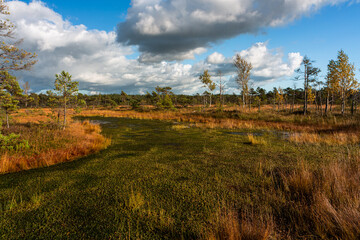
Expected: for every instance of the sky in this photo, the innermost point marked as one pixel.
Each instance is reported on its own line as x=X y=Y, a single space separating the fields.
x=134 y=46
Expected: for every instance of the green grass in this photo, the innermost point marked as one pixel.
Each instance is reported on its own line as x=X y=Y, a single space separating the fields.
x=153 y=182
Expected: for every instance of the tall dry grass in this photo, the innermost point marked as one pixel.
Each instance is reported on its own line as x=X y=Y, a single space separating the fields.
x=230 y=225
x=335 y=138
x=267 y=119
x=49 y=144
x=323 y=203
x=307 y=203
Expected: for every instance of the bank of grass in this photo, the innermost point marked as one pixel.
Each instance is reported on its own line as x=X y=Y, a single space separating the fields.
x=161 y=181
x=48 y=144
x=239 y=118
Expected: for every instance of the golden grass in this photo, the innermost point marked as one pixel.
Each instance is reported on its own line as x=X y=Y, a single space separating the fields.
x=325 y=201
x=310 y=204
x=82 y=139
x=329 y=139
x=228 y=225
x=49 y=145
x=256 y=140
x=179 y=127
x=200 y=121
x=267 y=119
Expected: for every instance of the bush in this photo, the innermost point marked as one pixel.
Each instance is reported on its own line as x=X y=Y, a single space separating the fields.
x=13 y=143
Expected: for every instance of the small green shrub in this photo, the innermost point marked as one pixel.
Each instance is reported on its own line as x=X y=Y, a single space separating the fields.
x=13 y=143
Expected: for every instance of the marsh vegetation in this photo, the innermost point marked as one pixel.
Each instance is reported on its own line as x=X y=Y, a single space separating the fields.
x=177 y=178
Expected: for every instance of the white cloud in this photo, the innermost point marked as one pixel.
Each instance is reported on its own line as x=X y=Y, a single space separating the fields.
x=101 y=64
x=93 y=57
x=215 y=58
x=269 y=63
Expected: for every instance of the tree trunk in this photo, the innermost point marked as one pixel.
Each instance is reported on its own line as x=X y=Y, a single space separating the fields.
x=64 y=113
x=356 y=102
x=343 y=103
x=316 y=102
x=327 y=103
x=250 y=103
x=321 y=108
x=305 y=103
x=243 y=99
x=221 y=98
x=7 y=119
x=305 y=90
x=331 y=102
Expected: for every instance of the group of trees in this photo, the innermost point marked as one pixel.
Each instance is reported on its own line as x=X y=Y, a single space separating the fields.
x=340 y=82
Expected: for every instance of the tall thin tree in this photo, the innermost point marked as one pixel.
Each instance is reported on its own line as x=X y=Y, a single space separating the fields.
x=243 y=76
x=66 y=89
x=309 y=73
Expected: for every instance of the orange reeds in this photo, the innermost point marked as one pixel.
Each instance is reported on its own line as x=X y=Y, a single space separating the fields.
x=80 y=139
x=227 y=224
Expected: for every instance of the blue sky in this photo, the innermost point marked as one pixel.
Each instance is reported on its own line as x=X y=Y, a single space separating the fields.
x=102 y=15
x=319 y=31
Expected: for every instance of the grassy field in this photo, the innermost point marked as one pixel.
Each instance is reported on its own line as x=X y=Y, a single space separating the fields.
x=165 y=180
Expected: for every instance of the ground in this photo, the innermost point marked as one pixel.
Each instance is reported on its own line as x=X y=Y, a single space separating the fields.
x=169 y=180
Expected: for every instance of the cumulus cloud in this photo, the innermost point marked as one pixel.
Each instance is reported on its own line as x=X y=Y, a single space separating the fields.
x=268 y=64
x=93 y=57
x=160 y=27
x=101 y=64
x=215 y=58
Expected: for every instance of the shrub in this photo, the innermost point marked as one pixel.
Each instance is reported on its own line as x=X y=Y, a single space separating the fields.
x=13 y=143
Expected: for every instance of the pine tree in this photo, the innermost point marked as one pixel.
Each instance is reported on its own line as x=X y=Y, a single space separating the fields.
x=310 y=73
x=66 y=89
x=205 y=78
x=10 y=91
x=11 y=56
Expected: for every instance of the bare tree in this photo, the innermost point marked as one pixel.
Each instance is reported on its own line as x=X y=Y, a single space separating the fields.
x=221 y=88
x=243 y=76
